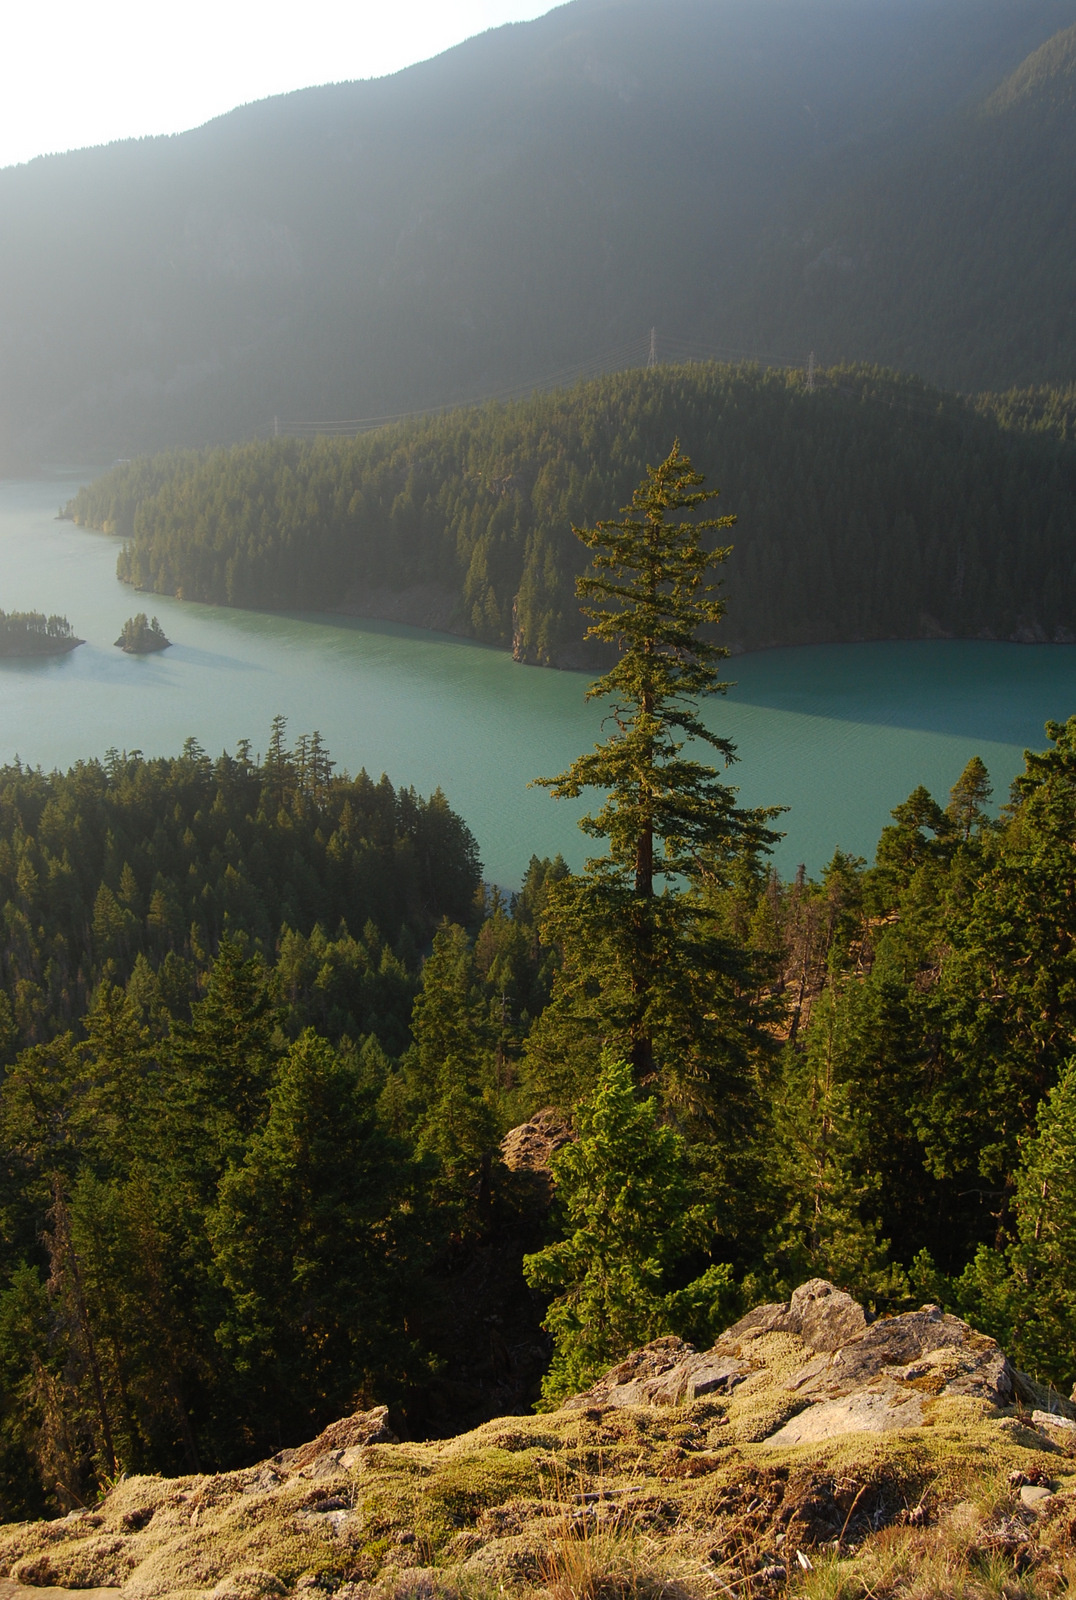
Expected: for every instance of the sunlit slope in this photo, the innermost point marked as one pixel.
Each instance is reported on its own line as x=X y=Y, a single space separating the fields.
x=540 y=196
x=872 y=507
x=961 y=260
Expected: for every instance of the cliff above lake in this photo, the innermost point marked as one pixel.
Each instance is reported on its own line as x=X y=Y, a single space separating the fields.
x=810 y=1451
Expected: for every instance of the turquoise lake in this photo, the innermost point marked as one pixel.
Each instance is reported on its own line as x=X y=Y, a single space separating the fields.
x=840 y=734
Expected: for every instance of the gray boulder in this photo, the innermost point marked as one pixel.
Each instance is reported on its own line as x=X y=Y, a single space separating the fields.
x=854 y=1375
x=667 y=1372
x=823 y=1316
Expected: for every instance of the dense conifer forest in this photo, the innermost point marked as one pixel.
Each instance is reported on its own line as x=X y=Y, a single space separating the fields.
x=124 y=866
x=266 y=1031
x=871 y=507
x=256 y=1145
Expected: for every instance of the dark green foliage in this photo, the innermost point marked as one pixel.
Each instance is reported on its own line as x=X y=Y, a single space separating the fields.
x=31 y=633
x=1005 y=1000
x=192 y=1205
x=650 y=593
x=1042 y=409
x=131 y=860
x=139 y=636
x=452 y=1071
x=216 y=1205
x=642 y=962
x=940 y=1017
x=833 y=1141
x=1025 y=1294
x=313 y=1247
x=873 y=507
x=254 y=1185
x=625 y=1200
x=968 y=796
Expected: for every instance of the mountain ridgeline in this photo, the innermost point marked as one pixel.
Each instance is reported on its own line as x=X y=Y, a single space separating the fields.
x=880 y=180
x=950 y=261
x=868 y=507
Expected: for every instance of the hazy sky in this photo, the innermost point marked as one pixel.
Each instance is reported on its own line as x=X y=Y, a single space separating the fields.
x=80 y=72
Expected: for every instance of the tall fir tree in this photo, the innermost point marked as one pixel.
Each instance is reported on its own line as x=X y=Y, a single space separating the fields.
x=967 y=798
x=644 y=966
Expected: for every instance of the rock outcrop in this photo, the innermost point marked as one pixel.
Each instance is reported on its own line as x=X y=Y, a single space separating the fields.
x=805 y=1425
x=823 y=1364
x=530 y=1146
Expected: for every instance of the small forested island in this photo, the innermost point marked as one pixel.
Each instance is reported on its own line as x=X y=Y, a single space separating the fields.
x=31 y=633
x=140 y=637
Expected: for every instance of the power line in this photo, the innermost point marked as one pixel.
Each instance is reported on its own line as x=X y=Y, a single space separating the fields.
x=618 y=358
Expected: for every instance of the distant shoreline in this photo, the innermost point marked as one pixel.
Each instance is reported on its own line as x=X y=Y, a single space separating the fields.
x=44 y=647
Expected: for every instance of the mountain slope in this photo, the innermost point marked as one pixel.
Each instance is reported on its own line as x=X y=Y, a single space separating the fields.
x=539 y=196
x=961 y=260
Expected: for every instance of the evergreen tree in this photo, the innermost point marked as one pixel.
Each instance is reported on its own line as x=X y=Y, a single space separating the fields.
x=1002 y=1014
x=641 y=953
x=967 y=798
x=623 y=1189
x=829 y=1153
x=453 y=1071
x=1026 y=1293
x=920 y=827
x=309 y=1238
x=224 y=1057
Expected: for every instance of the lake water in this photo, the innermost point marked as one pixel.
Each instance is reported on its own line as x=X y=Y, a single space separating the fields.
x=840 y=734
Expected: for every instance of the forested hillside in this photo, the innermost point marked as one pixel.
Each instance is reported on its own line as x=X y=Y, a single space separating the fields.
x=134 y=869
x=829 y=173
x=870 y=507
x=244 y=1224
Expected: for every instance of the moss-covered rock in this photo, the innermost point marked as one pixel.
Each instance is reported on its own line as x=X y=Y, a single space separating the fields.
x=603 y=1499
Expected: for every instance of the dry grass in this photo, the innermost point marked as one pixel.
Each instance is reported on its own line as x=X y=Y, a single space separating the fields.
x=636 y=1504
x=594 y=1547
x=985 y=1549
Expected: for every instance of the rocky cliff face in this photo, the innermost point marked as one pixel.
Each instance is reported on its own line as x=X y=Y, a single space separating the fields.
x=804 y=1437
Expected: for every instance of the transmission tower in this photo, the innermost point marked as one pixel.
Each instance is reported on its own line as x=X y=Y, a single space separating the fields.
x=652 y=358
x=810 y=373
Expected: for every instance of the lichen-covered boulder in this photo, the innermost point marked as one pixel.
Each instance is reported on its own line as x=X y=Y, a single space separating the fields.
x=823 y=1316
x=815 y=1367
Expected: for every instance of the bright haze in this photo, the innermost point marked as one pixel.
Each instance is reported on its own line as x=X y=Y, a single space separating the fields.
x=81 y=75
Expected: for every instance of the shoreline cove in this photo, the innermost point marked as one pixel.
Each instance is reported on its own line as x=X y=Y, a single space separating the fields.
x=840 y=733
